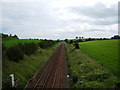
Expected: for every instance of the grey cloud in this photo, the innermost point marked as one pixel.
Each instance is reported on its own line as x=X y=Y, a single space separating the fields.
x=99 y=14
x=99 y=10
x=37 y=18
x=104 y=21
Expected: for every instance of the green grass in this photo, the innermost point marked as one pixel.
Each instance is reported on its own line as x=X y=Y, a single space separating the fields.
x=9 y=43
x=104 y=51
x=27 y=67
x=88 y=70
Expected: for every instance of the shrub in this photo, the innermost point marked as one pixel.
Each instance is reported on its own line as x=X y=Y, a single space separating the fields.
x=14 y=53
x=66 y=40
x=76 y=45
x=71 y=41
x=46 y=44
x=75 y=79
x=28 y=48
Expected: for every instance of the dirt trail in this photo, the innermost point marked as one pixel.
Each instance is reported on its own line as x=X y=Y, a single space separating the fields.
x=54 y=72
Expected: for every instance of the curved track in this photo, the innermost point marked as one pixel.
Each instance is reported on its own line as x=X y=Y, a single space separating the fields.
x=53 y=74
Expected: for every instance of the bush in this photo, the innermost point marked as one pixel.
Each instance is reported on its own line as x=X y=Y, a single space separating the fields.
x=46 y=44
x=14 y=53
x=28 y=48
x=66 y=40
x=71 y=41
x=76 y=45
x=75 y=79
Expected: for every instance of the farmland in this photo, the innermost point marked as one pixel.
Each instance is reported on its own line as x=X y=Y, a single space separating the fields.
x=104 y=51
x=9 y=43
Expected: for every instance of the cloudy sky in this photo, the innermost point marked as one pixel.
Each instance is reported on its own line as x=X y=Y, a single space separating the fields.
x=59 y=19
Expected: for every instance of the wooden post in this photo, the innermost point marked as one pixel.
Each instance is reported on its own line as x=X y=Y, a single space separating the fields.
x=11 y=80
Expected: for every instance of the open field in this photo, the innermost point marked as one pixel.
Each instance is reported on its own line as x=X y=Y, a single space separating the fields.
x=26 y=68
x=104 y=51
x=88 y=71
x=9 y=43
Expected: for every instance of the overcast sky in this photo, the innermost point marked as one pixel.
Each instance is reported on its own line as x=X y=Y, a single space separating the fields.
x=59 y=19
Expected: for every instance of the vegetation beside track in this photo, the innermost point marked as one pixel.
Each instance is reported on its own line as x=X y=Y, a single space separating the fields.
x=91 y=73
x=26 y=68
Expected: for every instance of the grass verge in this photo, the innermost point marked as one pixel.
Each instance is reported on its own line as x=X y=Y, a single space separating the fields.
x=27 y=67
x=90 y=72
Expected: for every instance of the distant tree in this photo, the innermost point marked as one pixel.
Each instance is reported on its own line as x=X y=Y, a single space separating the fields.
x=58 y=40
x=115 y=37
x=45 y=39
x=66 y=40
x=100 y=38
x=76 y=37
x=10 y=35
x=15 y=36
x=4 y=36
x=104 y=38
x=46 y=44
x=89 y=39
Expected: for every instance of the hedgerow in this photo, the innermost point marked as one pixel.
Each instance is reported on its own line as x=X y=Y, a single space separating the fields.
x=46 y=44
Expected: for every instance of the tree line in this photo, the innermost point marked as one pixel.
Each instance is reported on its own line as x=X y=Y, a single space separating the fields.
x=82 y=39
x=8 y=37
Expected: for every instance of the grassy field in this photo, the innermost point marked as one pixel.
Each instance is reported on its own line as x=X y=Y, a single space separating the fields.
x=104 y=51
x=9 y=43
x=88 y=71
x=26 y=68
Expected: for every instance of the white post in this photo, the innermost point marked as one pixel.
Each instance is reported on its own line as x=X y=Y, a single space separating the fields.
x=11 y=80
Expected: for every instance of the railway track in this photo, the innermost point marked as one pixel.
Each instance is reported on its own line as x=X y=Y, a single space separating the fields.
x=53 y=74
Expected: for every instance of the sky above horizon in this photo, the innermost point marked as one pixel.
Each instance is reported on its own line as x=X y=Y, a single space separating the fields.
x=59 y=19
